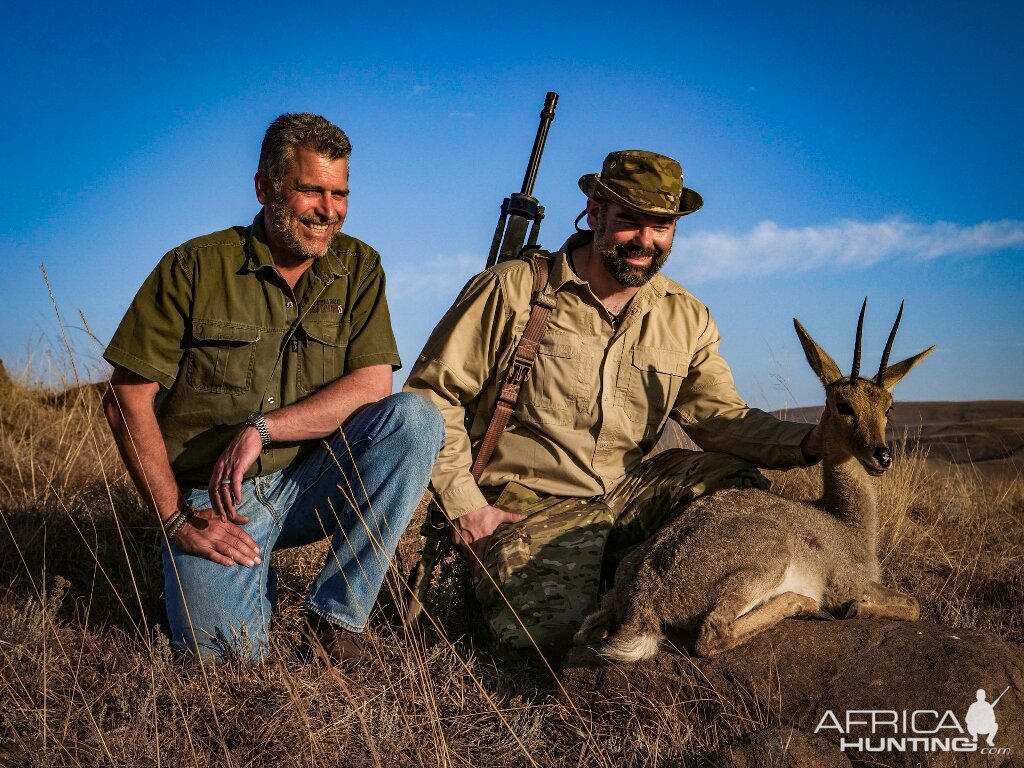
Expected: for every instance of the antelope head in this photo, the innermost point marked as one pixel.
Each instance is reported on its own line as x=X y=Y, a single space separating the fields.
x=858 y=408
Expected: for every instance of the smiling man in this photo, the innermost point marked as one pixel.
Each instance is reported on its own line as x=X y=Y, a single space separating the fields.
x=250 y=401
x=568 y=490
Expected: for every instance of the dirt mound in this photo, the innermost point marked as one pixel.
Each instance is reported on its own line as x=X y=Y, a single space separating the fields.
x=836 y=679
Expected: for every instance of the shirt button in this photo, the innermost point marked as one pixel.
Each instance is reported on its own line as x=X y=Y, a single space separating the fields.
x=270 y=399
x=289 y=304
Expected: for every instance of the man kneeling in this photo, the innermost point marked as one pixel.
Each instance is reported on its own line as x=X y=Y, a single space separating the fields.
x=250 y=403
x=568 y=490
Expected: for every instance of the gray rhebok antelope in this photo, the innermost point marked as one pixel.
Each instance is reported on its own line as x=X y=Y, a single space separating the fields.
x=739 y=561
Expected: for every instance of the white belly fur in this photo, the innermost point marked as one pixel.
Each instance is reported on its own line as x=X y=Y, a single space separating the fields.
x=795 y=579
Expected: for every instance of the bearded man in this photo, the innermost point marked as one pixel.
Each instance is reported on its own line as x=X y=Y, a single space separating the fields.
x=568 y=489
x=250 y=401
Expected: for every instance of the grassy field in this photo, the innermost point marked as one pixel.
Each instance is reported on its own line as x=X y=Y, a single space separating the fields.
x=87 y=677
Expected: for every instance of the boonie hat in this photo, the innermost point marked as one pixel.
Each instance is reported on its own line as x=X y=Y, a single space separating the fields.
x=643 y=181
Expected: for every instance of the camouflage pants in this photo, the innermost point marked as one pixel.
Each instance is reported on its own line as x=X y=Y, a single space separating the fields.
x=543 y=573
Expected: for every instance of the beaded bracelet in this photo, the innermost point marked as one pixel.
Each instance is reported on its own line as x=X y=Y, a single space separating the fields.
x=176 y=523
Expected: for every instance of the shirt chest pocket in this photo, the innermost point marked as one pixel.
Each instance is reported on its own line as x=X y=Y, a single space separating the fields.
x=222 y=356
x=322 y=349
x=656 y=374
x=549 y=392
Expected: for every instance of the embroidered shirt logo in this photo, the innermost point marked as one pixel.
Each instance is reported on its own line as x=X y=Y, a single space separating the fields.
x=329 y=306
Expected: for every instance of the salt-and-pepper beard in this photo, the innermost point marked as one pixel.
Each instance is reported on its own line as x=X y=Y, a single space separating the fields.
x=281 y=223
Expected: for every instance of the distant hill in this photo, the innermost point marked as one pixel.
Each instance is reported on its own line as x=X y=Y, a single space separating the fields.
x=986 y=433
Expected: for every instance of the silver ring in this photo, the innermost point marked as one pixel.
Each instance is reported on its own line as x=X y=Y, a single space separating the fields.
x=225 y=482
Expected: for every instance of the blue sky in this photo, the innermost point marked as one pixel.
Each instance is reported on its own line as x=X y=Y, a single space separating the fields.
x=842 y=150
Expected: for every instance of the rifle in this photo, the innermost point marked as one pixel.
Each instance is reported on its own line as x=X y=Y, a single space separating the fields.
x=521 y=209
x=520 y=212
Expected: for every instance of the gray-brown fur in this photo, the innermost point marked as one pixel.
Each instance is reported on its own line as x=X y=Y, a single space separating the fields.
x=734 y=563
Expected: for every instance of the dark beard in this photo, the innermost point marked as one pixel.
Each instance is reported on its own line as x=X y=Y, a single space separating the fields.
x=614 y=258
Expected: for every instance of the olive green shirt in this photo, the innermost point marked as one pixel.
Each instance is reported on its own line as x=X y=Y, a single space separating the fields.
x=212 y=324
x=597 y=398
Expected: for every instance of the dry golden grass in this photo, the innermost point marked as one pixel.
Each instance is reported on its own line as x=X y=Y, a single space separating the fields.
x=87 y=677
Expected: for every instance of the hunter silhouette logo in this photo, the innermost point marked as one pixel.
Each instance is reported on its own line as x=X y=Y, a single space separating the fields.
x=981 y=717
x=920 y=730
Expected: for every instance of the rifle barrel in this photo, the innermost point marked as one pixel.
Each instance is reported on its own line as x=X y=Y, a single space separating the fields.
x=547 y=114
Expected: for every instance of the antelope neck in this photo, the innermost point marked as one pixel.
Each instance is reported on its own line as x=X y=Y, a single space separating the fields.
x=850 y=494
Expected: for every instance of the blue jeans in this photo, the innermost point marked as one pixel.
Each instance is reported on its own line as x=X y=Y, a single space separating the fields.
x=360 y=490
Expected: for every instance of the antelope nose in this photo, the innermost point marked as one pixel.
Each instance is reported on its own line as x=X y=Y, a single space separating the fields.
x=883 y=457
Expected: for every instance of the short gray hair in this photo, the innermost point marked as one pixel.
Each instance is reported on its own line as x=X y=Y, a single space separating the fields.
x=295 y=130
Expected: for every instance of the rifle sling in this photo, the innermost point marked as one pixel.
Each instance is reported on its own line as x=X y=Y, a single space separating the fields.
x=522 y=360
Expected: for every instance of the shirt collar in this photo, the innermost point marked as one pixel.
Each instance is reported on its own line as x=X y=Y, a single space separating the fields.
x=258 y=253
x=561 y=271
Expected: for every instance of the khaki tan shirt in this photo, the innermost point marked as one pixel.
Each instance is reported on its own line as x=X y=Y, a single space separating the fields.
x=597 y=398
x=213 y=325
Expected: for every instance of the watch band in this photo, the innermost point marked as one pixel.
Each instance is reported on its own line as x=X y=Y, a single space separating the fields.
x=257 y=420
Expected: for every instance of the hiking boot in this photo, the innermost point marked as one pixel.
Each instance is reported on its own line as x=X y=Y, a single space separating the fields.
x=340 y=645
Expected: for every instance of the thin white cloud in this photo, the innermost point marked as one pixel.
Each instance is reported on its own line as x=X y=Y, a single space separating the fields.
x=440 y=275
x=764 y=250
x=769 y=248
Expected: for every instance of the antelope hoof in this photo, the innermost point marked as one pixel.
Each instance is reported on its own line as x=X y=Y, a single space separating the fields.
x=804 y=607
x=596 y=627
x=714 y=639
x=824 y=613
x=852 y=609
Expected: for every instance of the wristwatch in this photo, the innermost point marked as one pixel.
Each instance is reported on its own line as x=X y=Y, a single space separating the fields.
x=257 y=420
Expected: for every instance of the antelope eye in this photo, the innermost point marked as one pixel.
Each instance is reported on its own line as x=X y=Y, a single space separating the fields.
x=844 y=409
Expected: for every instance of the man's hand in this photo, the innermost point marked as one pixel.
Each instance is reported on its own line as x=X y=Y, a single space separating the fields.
x=226 y=478
x=207 y=535
x=812 y=445
x=472 y=533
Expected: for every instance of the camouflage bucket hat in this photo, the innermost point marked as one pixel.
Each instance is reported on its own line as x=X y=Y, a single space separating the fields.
x=644 y=181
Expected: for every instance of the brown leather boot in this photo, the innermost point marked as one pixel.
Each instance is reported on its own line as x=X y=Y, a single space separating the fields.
x=340 y=645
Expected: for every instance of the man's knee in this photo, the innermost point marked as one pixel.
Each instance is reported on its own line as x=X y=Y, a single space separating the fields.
x=418 y=417
x=201 y=631
x=414 y=422
x=218 y=646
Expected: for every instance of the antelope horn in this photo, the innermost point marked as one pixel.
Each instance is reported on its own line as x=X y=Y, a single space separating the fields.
x=856 y=346
x=888 y=346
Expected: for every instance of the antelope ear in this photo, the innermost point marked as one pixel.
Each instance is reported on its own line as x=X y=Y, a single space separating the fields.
x=823 y=365
x=891 y=376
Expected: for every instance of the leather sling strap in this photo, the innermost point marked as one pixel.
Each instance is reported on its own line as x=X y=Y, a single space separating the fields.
x=522 y=360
